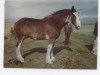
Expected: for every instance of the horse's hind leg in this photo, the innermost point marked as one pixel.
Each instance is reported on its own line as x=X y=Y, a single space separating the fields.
x=18 y=53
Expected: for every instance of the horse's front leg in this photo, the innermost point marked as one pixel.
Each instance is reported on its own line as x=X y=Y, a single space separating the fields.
x=49 y=53
x=52 y=55
x=67 y=38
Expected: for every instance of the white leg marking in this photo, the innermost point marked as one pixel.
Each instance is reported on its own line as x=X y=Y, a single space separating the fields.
x=18 y=53
x=95 y=47
x=52 y=56
x=48 y=55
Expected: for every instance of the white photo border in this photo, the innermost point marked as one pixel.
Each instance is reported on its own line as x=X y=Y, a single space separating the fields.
x=21 y=71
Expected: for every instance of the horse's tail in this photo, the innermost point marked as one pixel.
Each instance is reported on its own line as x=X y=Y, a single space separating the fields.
x=15 y=35
x=14 y=30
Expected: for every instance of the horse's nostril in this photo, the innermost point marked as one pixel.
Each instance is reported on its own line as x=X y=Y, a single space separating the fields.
x=79 y=27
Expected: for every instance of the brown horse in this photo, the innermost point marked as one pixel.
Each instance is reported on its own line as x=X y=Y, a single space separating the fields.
x=46 y=28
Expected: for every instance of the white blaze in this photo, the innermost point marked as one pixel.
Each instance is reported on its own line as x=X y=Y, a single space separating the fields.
x=77 y=20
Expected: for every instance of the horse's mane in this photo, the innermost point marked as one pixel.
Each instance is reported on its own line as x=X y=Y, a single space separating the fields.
x=58 y=12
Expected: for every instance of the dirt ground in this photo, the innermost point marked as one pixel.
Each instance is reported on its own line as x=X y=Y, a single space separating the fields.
x=76 y=55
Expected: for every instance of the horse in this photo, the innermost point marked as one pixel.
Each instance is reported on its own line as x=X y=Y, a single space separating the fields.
x=47 y=28
x=95 y=33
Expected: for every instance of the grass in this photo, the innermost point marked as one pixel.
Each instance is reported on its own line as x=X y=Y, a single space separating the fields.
x=76 y=55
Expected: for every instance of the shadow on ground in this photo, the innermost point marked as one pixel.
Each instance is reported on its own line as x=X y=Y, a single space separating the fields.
x=44 y=50
x=89 y=47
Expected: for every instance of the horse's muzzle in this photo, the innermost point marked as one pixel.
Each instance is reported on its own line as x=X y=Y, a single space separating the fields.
x=78 y=27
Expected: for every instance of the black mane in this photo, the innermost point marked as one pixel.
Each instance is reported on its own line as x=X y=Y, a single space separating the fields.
x=60 y=12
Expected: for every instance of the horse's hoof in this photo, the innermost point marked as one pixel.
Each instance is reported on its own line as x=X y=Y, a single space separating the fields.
x=49 y=61
x=22 y=61
x=94 y=53
x=53 y=58
x=66 y=43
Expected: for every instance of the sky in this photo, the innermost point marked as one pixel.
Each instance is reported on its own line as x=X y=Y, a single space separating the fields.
x=16 y=9
x=51 y=0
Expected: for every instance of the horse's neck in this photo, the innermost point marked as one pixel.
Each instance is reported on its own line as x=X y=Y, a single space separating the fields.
x=60 y=22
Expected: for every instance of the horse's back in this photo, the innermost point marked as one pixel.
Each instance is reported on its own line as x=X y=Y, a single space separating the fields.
x=35 y=28
x=23 y=25
x=29 y=27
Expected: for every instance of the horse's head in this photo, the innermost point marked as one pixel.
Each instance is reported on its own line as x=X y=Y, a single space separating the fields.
x=73 y=18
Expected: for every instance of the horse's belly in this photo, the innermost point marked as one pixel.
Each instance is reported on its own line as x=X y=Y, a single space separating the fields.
x=40 y=36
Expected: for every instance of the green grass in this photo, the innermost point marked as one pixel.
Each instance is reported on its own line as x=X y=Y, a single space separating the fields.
x=76 y=55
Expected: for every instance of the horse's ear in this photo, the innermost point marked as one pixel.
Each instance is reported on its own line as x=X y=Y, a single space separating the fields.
x=73 y=9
